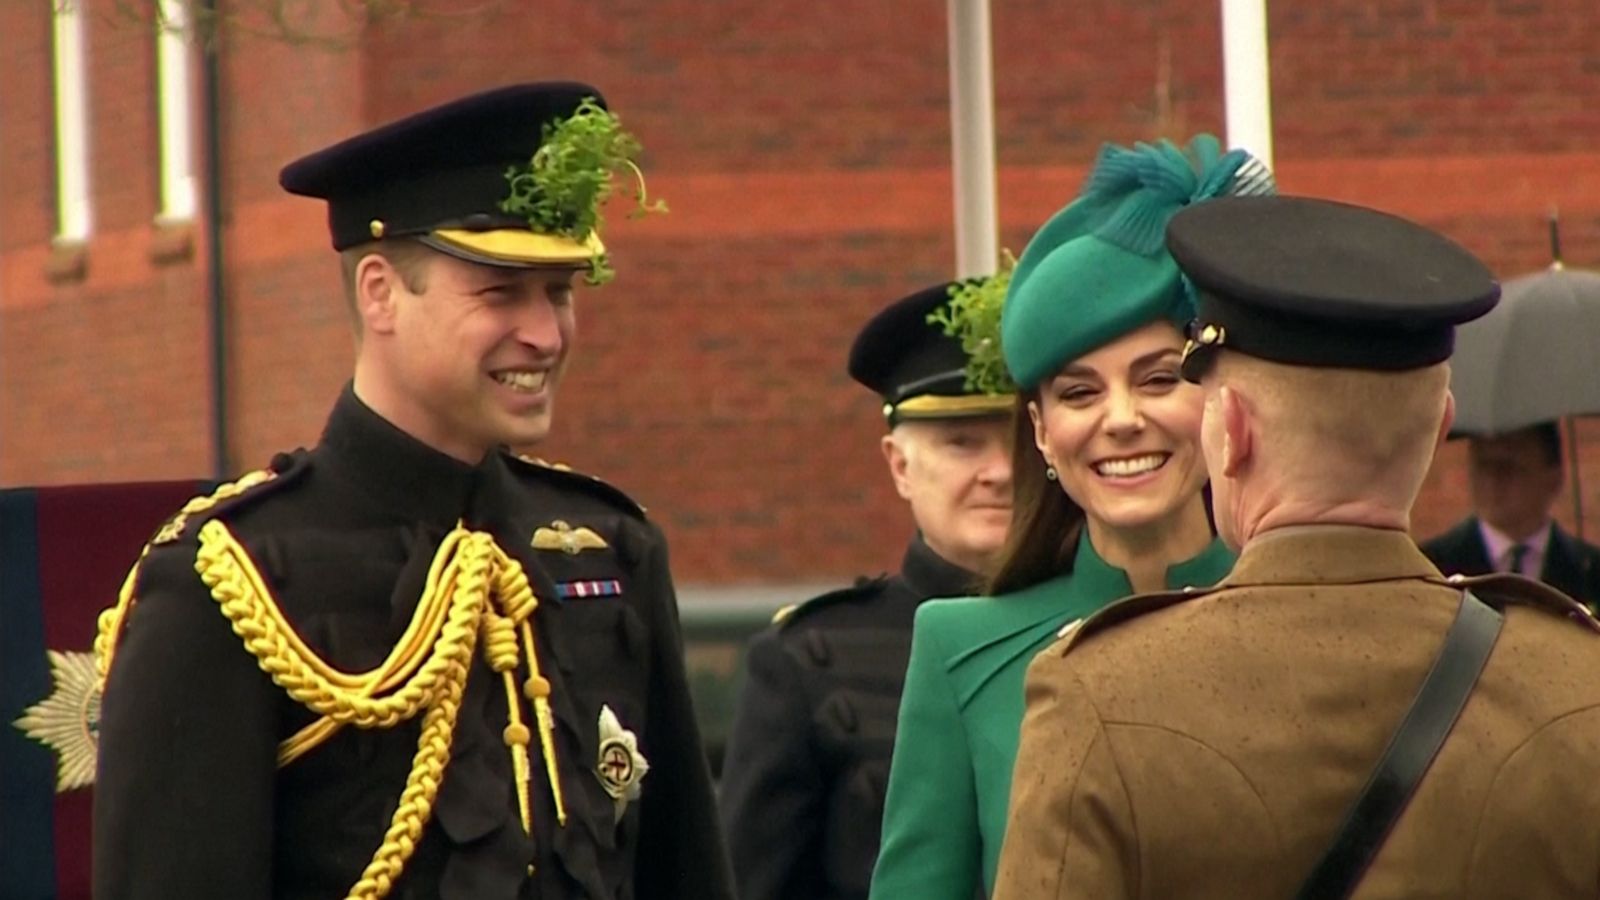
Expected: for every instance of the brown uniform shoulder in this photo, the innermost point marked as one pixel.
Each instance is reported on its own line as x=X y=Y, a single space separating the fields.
x=1499 y=589
x=1073 y=633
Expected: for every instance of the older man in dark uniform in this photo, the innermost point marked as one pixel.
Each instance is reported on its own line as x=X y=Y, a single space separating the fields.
x=406 y=663
x=808 y=759
x=1335 y=718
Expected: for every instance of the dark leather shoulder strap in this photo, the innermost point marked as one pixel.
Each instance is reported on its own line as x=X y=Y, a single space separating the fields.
x=1412 y=749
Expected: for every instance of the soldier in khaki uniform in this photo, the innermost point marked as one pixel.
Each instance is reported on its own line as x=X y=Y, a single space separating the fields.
x=1213 y=744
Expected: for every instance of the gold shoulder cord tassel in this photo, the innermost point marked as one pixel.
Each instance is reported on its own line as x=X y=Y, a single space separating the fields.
x=516 y=598
x=500 y=649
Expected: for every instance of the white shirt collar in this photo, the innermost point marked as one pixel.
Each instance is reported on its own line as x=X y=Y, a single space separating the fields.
x=1499 y=545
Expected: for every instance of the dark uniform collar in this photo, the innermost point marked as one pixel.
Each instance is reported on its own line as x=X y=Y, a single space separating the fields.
x=395 y=469
x=931 y=575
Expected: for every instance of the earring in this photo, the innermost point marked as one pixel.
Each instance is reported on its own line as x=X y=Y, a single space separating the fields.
x=1050 y=473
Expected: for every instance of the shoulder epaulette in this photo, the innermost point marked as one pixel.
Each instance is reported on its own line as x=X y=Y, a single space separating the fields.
x=862 y=588
x=1121 y=611
x=282 y=470
x=564 y=474
x=1526 y=592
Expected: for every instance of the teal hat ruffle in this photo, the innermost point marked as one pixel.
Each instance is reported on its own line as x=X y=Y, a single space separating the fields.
x=1099 y=268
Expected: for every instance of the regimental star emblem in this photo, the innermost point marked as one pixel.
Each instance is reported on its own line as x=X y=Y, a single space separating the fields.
x=571 y=541
x=68 y=721
x=621 y=766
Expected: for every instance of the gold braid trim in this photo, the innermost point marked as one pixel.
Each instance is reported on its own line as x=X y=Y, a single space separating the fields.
x=427 y=669
x=109 y=625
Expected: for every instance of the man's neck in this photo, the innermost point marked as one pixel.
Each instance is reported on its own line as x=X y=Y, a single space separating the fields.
x=974 y=562
x=1518 y=532
x=1366 y=512
x=386 y=400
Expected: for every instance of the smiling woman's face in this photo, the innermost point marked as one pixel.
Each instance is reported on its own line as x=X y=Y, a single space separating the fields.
x=1122 y=429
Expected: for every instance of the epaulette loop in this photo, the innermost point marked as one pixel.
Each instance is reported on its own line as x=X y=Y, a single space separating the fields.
x=283 y=468
x=792 y=612
x=569 y=475
x=1072 y=633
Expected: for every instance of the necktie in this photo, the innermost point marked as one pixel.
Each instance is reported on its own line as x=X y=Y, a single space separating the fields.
x=1518 y=553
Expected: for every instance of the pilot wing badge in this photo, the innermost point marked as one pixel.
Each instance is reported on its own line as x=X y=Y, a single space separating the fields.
x=621 y=766
x=560 y=535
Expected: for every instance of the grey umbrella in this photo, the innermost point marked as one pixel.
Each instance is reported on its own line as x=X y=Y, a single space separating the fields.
x=1534 y=358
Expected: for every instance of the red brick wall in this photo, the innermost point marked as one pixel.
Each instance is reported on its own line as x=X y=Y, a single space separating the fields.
x=804 y=149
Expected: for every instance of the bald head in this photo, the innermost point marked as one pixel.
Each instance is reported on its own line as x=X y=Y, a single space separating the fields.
x=1300 y=445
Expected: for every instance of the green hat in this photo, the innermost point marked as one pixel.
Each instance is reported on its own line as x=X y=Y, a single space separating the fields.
x=1099 y=268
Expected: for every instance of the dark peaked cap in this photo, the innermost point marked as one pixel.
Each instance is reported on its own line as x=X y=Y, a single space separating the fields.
x=918 y=369
x=440 y=175
x=1317 y=283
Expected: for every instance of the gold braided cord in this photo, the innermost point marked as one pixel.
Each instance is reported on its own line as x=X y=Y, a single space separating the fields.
x=402 y=661
x=421 y=789
x=109 y=625
x=459 y=583
x=438 y=729
x=517 y=600
x=427 y=670
x=238 y=588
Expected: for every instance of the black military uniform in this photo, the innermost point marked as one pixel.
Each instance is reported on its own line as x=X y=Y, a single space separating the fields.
x=807 y=761
x=198 y=794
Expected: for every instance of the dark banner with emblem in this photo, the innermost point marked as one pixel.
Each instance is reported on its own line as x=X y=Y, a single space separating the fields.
x=64 y=552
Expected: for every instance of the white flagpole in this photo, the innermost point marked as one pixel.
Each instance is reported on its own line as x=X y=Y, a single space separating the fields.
x=972 y=139
x=1247 y=81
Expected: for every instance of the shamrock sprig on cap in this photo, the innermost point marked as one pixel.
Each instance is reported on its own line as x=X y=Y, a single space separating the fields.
x=561 y=188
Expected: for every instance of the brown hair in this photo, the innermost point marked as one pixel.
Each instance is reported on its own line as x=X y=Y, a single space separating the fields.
x=1045 y=522
x=410 y=259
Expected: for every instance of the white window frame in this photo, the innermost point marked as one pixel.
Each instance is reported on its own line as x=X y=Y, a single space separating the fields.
x=74 y=213
x=175 y=114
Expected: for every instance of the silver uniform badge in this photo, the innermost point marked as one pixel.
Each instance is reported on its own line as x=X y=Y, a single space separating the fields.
x=621 y=767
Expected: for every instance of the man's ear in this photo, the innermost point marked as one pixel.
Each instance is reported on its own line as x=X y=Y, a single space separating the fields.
x=899 y=460
x=377 y=287
x=1238 y=426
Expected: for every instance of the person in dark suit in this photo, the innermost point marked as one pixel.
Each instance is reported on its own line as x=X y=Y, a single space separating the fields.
x=807 y=765
x=1516 y=478
x=406 y=662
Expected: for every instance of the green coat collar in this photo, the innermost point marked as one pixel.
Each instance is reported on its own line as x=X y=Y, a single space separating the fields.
x=1022 y=622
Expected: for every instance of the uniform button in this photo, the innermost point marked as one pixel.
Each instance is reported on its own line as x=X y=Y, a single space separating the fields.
x=847 y=717
x=817 y=645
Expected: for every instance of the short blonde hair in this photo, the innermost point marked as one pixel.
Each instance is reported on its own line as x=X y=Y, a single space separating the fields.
x=1339 y=431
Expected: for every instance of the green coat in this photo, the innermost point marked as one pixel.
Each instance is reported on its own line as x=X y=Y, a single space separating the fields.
x=961 y=713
